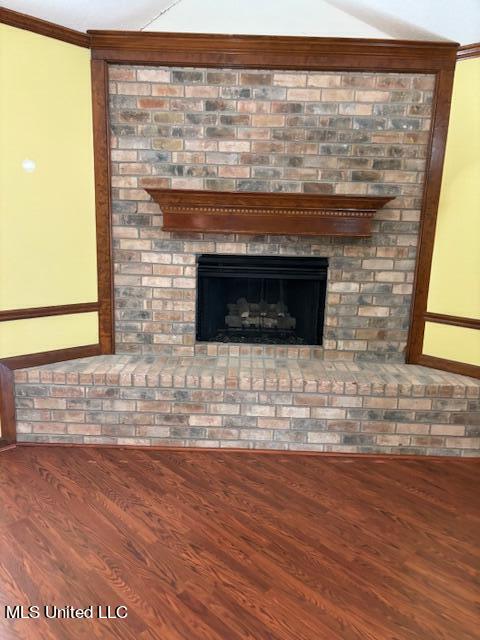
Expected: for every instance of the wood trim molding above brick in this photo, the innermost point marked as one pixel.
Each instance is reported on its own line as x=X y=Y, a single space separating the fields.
x=273 y=52
x=43 y=312
x=7 y=406
x=468 y=51
x=270 y=52
x=48 y=357
x=44 y=28
x=471 y=370
x=267 y=213
x=456 y=321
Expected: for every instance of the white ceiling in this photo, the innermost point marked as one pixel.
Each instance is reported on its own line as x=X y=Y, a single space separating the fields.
x=457 y=20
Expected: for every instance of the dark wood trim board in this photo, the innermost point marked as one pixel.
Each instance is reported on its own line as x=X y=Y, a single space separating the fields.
x=101 y=146
x=44 y=312
x=462 y=368
x=44 y=28
x=7 y=406
x=469 y=51
x=48 y=357
x=456 y=321
x=270 y=52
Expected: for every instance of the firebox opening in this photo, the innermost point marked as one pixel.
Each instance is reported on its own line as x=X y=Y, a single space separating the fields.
x=261 y=299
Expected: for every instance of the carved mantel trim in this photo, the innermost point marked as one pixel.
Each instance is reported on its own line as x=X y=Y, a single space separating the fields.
x=266 y=213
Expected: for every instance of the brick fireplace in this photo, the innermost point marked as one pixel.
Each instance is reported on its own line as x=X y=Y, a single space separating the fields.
x=239 y=130
x=289 y=132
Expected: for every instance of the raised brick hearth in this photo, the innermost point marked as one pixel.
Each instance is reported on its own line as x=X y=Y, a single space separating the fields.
x=250 y=402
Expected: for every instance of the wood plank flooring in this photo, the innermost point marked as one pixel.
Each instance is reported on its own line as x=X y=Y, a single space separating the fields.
x=239 y=546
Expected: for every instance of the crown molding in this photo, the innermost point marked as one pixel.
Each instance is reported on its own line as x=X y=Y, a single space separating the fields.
x=44 y=28
x=280 y=52
x=469 y=51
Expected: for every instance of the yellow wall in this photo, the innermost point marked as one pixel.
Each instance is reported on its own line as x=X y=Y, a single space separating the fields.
x=47 y=219
x=455 y=277
x=47 y=334
x=453 y=343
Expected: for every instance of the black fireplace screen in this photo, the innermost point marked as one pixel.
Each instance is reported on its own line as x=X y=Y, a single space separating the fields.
x=261 y=299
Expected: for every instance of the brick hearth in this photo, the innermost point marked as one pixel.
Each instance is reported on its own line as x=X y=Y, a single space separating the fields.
x=249 y=402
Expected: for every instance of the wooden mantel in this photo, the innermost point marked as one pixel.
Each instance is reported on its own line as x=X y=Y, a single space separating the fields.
x=267 y=213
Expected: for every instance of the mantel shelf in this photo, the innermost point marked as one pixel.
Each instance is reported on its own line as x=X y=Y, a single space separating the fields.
x=267 y=213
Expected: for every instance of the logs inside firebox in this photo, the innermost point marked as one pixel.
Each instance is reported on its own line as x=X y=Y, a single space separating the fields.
x=259 y=315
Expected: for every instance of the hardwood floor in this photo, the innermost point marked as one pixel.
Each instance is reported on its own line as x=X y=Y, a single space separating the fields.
x=239 y=546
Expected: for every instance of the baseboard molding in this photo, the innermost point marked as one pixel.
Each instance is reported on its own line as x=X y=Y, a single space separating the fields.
x=5 y=446
x=326 y=454
x=49 y=357
x=470 y=370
